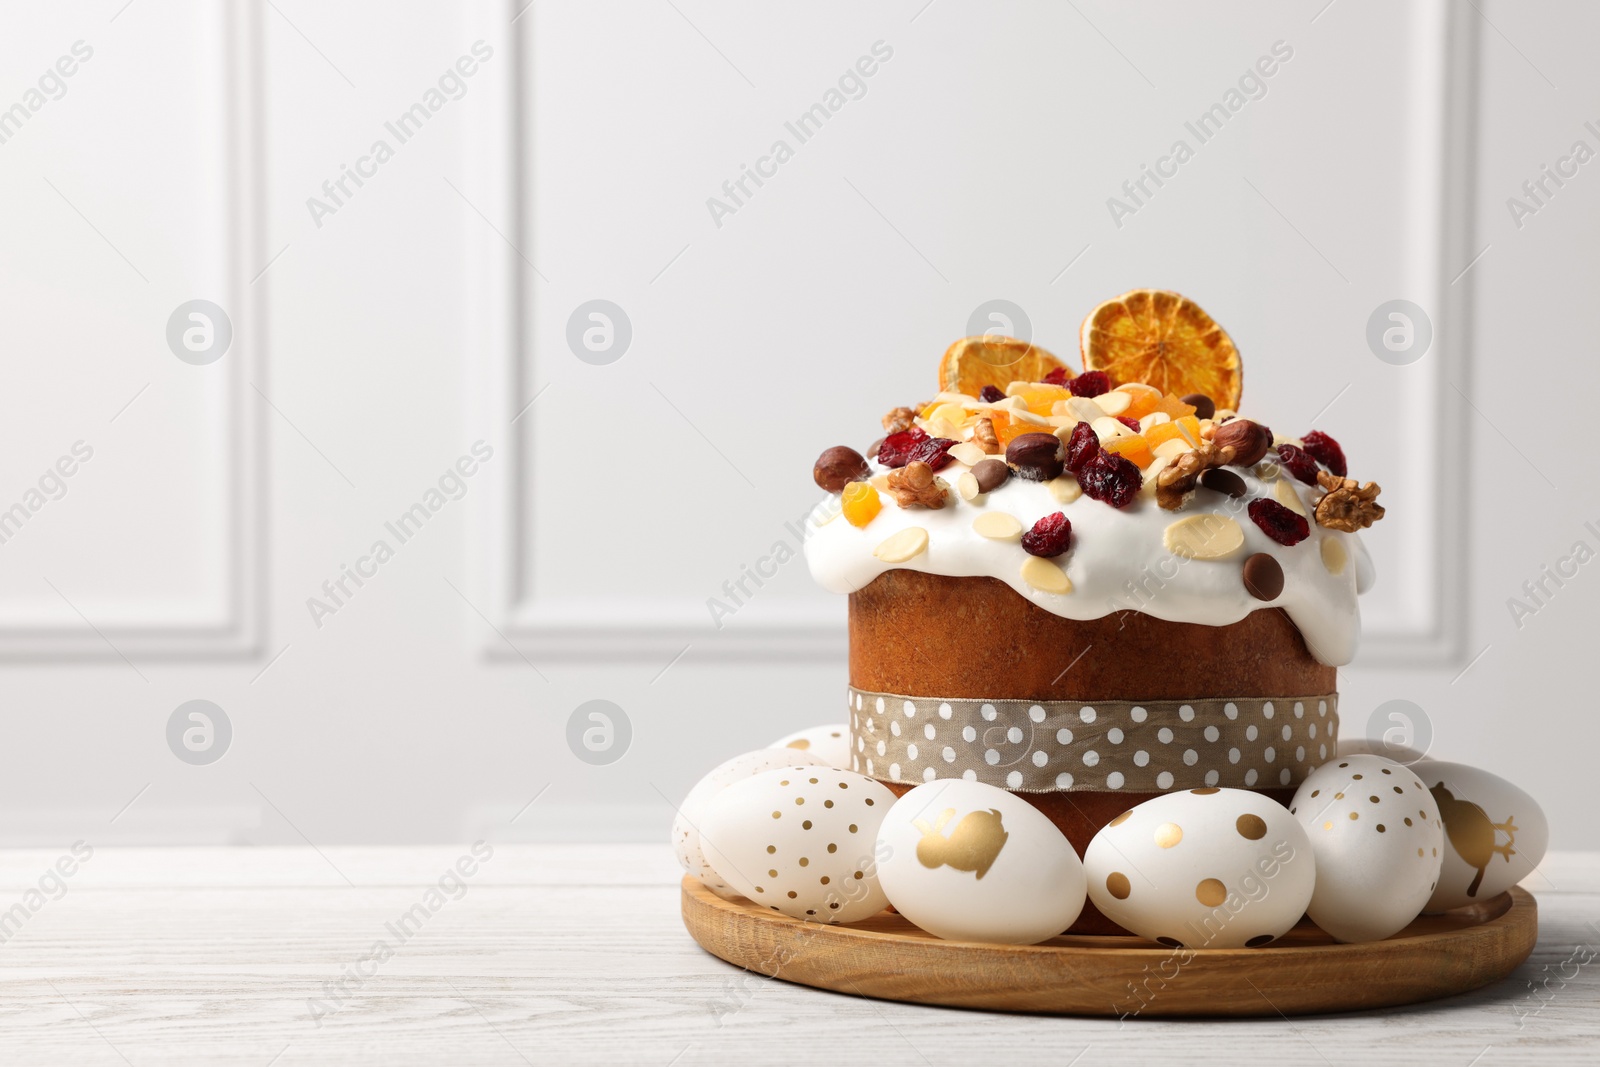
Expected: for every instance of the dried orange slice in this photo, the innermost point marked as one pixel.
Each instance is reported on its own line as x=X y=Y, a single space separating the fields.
x=1163 y=340
x=974 y=362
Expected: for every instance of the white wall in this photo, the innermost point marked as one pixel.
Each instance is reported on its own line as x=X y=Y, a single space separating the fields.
x=374 y=345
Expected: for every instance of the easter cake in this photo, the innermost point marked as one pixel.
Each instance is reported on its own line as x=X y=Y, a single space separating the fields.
x=1094 y=588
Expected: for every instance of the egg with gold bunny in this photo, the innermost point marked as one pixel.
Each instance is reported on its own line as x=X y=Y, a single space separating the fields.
x=967 y=861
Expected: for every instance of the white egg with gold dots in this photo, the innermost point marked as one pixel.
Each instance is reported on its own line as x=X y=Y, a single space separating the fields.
x=686 y=826
x=1377 y=835
x=1203 y=868
x=800 y=841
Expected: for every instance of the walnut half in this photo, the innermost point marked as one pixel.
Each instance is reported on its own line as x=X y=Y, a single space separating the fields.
x=1176 y=482
x=1347 y=505
x=915 y=486
x=899 y=420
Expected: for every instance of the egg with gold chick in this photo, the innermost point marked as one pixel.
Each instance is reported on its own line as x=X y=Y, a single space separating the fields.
x=1203 y=868
x=1377 y=835
x=1494 y=833
x=800 y=841
x=967 y=861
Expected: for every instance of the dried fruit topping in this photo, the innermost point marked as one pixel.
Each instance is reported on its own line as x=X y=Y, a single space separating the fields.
x=1164 y=340
x=974 y=362
x=1135 y=448
x=1036 y=456
x=991 y=393
x=1040 y=399
x=897 y=447
x=1348 y=505
x=838 y=467
x=1082 y=446
x=1263 y=577
x=1008 y=428
x=1250 y=440
x=1223 y=481
x=1204 y=406
x=910 y=446
x=1176 y=483
x=899 y=420
x=860 y=504
x=1058 y=376
x=1278 y=522
x=1049 y=536
x=1185 y=428
x=1090 y=383
x=915 y=486
x=1142 y=399
x=1298 y=462
x=1110 y=479
x=1132 y=424
x=990 y=474
x=1326 y=451
x=984 y=437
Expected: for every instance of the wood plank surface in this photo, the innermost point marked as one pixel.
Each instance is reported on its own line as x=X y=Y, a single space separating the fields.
x=577 y=954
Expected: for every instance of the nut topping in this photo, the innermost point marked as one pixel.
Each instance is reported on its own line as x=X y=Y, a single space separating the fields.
x=1348 y=505
x=838 y=467
x=983 y=436
x=1176 y=484
x=899 y=420
x=1250 y=440
x=915 y=486
x=1037 y=457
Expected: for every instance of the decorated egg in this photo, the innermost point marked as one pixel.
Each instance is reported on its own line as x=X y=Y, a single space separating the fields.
x=1203 y=868
x=821 y=744
x=800 y=841
x=971 y=862
x=1494 y=833
x=686 y=827
x=1376 y=833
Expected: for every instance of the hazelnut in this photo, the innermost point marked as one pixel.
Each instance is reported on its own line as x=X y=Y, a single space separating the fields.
x=838 y=467
x=1250 y=440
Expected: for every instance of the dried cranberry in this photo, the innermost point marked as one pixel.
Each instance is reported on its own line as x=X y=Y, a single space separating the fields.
x=1056 y=377
x=991 y=394
x=1299 y=463
x=1090 y=383
x=1049 y=536
x=1327 y=450
x=1278 y=522
x=897 y=447
x=1132 y=424
x=934 y=451
x=1111 y=479
x=1082 y=446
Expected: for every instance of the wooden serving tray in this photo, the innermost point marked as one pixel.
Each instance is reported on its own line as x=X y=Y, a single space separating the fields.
x=1303 y=972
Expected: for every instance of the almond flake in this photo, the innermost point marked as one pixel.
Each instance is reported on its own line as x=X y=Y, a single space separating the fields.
x=1046 y=576
x=968 y=453
x=907 y=544
x=998 y=526
x=1334 y=556
x=1155 y=418
x=1108 y=429
x=1285 y=492
x=1064 y=490
x=1084 y=409
x=1172 y=447
x=1203 y=537
x=967 y=486
x=1113 y=403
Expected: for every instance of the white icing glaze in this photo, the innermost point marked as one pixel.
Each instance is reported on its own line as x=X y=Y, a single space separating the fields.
x=1117 y=560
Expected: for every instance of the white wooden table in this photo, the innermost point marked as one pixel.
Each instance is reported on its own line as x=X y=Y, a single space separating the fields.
x=574 y=954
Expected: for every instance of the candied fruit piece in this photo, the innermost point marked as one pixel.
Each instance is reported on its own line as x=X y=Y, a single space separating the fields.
x=860 y=504
x=897 y=447
x=1145 y=399
x=1327 y=450
x=1134 y=448
x=952 y=414
x=1082 y=446
x=1278 y=522
x=1090 y=383
x=1041 y=398
x=1049 y=537
x=1298 y=462
x=1008 y=429
x=1111 y=480
x=1171 y=405
x=1057 y=376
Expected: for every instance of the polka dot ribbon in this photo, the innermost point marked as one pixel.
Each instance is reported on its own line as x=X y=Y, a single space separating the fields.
x=1147 y=746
